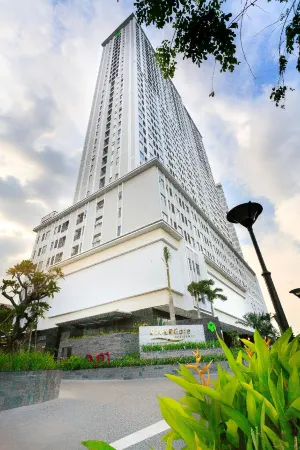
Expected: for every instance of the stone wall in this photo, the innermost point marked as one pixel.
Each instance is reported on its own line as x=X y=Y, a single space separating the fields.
x=132 y=373
x=24 y=388
x=178 y=353
x=118 y=344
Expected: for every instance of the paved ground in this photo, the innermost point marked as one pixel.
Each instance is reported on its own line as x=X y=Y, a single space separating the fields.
x=106 y=410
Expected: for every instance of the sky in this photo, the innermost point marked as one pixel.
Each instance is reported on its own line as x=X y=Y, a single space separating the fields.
x=49 y=57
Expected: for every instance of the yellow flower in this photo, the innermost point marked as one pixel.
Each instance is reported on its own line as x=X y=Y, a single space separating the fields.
x=267 y=341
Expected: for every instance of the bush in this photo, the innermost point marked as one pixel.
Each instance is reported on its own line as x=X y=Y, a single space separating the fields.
x=130 y=360
x=26 y=361
x=256 y=407
x=181 y=346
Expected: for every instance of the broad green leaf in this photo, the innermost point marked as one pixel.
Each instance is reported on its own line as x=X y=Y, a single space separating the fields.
x=237 y=417
x=228 y=392
x=175 y=415
x=296 y=404
x=270 y=410
x=196 y=390
x=293 y=386
x=292 y=347
x=249 y=344
x=231 y=361
x=232 y=433
x=189 y=387
x=251 y=408
x=281 y=413
x=97 y=445
x=255 y=438
x=294 y=360
x=294 y=410
x=171 y=434
x=263 y=359
x=276 y=441
x=187 y=374
x=280 y=392
x=282 y=342
x=192 y=403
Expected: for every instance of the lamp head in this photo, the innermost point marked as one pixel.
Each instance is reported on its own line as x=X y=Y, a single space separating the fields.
x=296 y=292
x=245 y=214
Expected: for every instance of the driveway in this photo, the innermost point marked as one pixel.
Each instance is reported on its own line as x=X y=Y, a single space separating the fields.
x=125 y=413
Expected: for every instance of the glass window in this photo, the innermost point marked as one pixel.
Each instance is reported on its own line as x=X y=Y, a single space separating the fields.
x=77 y=234
x=80 y=218
x=100 y=205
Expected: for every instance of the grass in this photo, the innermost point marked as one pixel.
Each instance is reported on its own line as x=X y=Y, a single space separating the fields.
x=181 y=346
x=26 y=361
x=45 y=361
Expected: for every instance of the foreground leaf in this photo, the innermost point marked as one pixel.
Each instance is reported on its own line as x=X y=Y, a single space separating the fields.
x=97 y=445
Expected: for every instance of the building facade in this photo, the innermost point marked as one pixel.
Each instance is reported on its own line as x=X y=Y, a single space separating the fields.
x=144 y=182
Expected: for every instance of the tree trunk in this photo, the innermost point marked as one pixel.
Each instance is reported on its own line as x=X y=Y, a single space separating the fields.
x=35 y=338
x=171 y=302
x=29 y=340
x=198 y=307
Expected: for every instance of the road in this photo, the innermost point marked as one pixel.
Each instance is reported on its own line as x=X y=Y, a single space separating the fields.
x=105 y=410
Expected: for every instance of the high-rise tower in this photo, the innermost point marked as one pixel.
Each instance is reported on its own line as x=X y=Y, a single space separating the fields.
x=144 y=182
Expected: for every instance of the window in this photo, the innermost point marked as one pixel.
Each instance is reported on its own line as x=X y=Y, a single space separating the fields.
x=58 y=257
x=97 y=239
x=198 y=269
x=61 y=242
x=48 y=262
x=80 y=218
x=120 y=195
x=43 y=237
x=75 y=250
x=98 y=221
x=44 y=249
x=55 y=245
x=163 y=198
x=102 y=182
x=165 y=217
x=40 y=251
x=40 y=265
x=77 y=234
x=33 y=256
x=120 y=212
x=190 y=263
x=64 y=226
x=116 y=176
x=100 y=205
x=52 y=260
x=119 y=230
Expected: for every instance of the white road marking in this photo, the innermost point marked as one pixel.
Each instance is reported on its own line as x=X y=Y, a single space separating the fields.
x=140 y=435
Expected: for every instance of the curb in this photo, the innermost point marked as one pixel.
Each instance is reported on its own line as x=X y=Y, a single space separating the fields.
x=130 y=373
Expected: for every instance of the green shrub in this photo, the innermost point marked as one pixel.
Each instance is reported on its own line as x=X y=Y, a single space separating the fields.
x=181 y=346
x=130 y=360
x=256 y=407
x=26 y=361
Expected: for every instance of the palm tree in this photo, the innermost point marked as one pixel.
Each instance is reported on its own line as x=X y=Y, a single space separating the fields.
x=214 y=294
x=167 y=259
x=260 y=322
x=198 y=290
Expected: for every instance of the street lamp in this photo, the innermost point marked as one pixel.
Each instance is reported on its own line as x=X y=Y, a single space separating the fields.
x=246 y=215
x=296 y=292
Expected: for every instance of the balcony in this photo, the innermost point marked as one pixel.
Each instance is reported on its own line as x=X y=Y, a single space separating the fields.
x=48 y=217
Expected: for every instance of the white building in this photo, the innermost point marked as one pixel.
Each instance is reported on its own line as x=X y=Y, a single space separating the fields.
x=144 y=182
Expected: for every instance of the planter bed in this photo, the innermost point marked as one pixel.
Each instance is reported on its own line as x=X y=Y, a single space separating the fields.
x=22 y=388
x=177 y=353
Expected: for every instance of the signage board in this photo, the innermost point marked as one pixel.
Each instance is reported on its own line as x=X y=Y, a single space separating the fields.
x=171 y=334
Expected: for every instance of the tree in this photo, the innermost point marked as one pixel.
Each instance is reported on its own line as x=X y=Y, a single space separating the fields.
x=215 y=294
x=260 y=322
x=27 y=290
x=167 y=259
x=205 y=28
x=199 y=289
x=6 y=322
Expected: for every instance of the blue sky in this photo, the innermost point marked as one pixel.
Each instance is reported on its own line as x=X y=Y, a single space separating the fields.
x=50 y=53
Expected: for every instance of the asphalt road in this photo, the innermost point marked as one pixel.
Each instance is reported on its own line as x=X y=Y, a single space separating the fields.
x=104 y=410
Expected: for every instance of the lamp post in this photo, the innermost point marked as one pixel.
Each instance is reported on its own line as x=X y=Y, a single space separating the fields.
x=246 y=215
x=296 y=292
